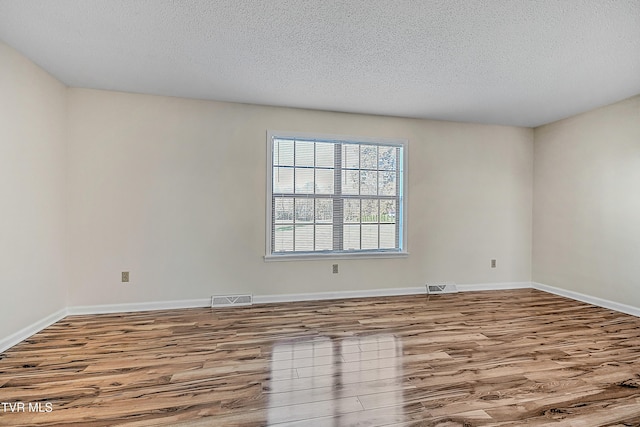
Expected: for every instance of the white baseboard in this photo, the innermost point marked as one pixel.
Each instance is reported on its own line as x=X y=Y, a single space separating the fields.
x=316 y=296
x=264 y=299
x=23 y=334
x=138 y=306
x=600 y=302
x=493 y=286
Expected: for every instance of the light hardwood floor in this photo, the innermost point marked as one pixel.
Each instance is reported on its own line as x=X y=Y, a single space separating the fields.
x=507 y=358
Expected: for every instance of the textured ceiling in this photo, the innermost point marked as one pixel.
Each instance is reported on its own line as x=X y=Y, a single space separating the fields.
x=518 y=62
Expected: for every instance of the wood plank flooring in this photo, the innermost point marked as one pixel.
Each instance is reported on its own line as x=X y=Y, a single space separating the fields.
x=496 y=358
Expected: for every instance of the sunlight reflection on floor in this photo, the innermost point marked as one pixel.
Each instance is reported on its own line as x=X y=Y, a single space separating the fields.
x=336 y=381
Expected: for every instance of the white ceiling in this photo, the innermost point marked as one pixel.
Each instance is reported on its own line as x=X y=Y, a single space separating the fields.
x=516 y=62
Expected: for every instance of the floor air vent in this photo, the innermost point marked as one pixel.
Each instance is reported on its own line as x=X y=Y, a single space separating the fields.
x=231 y=300
x=441 y=288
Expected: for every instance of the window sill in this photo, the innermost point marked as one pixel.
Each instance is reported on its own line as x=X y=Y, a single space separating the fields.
x=314 y=257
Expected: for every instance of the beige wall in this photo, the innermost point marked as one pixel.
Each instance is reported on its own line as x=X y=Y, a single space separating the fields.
x=173 y=190
x=587 y=203
x=32 y=193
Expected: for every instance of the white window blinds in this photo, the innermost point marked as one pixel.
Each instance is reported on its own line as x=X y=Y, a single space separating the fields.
x=335 y=196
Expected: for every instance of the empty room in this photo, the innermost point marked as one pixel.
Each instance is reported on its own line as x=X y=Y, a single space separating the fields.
x=319 y=213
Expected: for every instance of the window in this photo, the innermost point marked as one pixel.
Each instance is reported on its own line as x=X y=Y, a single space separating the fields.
x=335 y=196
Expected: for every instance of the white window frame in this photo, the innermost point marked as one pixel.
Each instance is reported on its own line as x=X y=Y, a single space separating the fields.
x=402 y=165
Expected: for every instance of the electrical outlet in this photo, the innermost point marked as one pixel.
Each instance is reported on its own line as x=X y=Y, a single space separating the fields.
x=493 y=263
x=335 y=268
x=125 y=276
